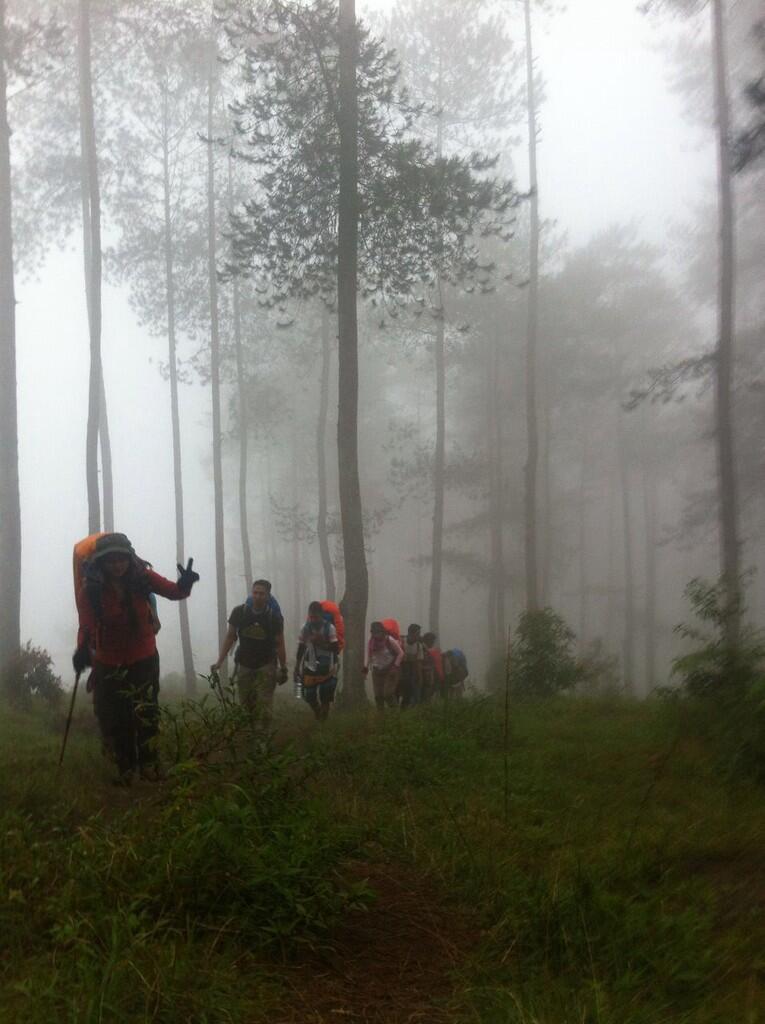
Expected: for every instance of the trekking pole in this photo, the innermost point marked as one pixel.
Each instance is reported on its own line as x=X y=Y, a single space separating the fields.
x=69 y=718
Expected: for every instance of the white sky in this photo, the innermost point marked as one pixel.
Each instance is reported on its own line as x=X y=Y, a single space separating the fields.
x=614 y=148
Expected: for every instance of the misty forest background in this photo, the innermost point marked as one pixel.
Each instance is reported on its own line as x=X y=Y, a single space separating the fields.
x=549 y=413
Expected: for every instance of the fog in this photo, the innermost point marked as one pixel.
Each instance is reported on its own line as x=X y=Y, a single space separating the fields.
x=627 y=180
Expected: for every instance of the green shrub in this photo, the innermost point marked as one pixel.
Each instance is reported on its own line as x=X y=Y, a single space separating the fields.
x=542 y=662
x=28 y=675
x=725 y=675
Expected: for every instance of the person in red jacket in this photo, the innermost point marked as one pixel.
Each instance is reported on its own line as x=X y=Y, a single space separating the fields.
x=117 y=636
x=434 y=672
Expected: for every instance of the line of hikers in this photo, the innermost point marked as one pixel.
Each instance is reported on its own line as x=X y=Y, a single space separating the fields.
x=115 y=594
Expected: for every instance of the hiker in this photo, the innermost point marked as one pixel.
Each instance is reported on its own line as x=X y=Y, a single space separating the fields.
x=260 y=632
x=411 y=673
x=117 y=635
x=316 y=660
x=455 y=672
x=384 y=656
x=434 y=667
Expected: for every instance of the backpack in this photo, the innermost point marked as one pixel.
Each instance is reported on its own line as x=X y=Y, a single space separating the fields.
x=333 y=614
x=459 y=664
x=81 y=557
x=392 y=628
x=271 y=604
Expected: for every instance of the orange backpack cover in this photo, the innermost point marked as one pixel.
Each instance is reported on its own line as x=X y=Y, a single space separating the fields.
x=337 y=618
x=83 y=550
x=392 y=628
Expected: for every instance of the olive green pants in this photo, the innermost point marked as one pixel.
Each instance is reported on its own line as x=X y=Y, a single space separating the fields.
x=255 y=687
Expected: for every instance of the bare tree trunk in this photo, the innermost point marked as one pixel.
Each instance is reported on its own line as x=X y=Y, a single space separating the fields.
x=499 y=490
x=628 y=645
x=10 y=500
x=649 y=509
x=92 y=250
x=532 y=582
x=321 y=459
x=584 y=585
x=356 y=577
x=495 y=642
x=241 y=382
x=107 y=476
x=439 y=460
x=726 y=462
x=175 y=418
x=545 y=581
x=212 y=273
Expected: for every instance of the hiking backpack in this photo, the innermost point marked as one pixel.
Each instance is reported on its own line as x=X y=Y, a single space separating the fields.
x=81 y=556
x=392 y=628
x=333 y=614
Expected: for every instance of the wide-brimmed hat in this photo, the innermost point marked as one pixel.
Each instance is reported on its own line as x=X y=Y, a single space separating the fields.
x=113 y=544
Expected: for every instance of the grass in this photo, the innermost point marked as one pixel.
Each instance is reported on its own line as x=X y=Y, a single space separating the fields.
x=609 y=872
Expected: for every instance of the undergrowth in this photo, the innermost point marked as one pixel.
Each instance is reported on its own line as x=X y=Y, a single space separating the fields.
x=613 y=873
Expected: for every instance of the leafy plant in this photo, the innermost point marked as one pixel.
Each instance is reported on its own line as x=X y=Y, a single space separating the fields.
x=726 y=673
x=30 y=674
x=542 y=662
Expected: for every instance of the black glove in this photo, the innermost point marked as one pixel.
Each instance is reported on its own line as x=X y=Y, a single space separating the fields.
x=283 y=675
x=81 y=658
x=187 y=577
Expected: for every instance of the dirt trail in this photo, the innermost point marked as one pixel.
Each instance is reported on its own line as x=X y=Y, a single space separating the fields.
x=393 y=963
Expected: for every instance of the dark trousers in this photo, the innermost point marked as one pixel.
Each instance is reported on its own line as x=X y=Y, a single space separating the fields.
x=410 y=683
x=125 y=700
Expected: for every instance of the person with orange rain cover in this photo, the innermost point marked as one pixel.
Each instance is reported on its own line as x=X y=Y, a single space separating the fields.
x=316 y=660
x=117 y=637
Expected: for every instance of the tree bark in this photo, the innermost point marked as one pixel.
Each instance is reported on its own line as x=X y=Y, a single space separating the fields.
x=241 y=382
x=93 y=258
x=321 y=459
x=107 y=475
x=728 y=496
x=175 y=418
x=584 y=585
x=439 y=460
x=628 y=643
x=649 y=510
x=532 y=434
x=356 y=593
x=10 y=500
x=212 y=273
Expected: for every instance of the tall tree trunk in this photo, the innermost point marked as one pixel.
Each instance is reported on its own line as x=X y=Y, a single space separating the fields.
x=438 y=470
x=93 y=257
x=175 y=418
x=726 y=462
x=649 y=510
x=584 y=585
x=532 y=434
x=628 y=645
x=321 y=459
x=107 y=475
x=545 y=581
x=356 y=576
x=495 y=642
x=439 y=455
x=241 y=382
x=212 y=273
x=499 y=490
x=10 y=501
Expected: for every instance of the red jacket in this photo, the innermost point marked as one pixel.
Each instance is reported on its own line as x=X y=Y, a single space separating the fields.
x=434 y=653
x=114 y=638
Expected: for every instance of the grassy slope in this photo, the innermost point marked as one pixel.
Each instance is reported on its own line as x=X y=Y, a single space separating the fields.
x=615 y=879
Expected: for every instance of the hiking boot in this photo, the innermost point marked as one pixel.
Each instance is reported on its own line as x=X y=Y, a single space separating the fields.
x=152 y=773
x=124 y=779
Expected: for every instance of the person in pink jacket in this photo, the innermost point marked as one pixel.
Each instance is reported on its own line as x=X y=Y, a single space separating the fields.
x=384 y=656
